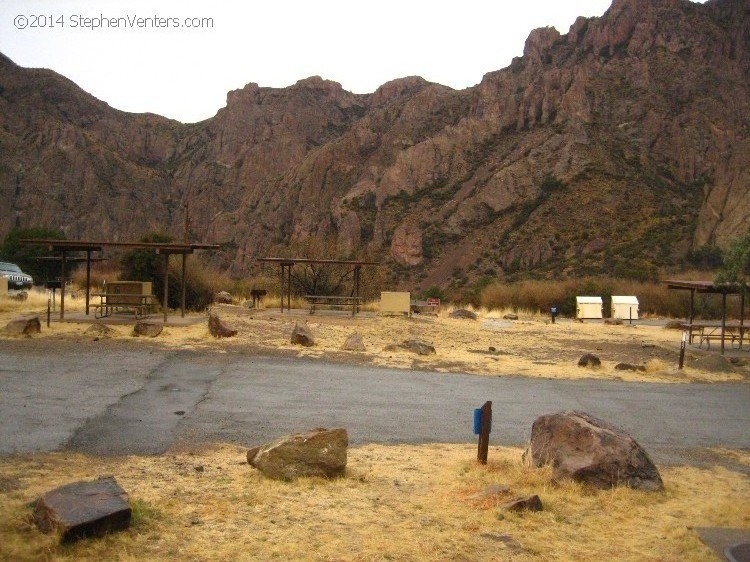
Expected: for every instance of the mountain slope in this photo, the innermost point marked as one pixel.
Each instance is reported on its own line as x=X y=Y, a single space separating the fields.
x=615 y=148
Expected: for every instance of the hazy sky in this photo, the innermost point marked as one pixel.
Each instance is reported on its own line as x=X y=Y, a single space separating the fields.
x=131 y=55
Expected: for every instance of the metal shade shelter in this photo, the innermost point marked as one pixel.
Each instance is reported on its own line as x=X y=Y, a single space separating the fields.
x=166 y=249
x=285 y=273
x=709 y=287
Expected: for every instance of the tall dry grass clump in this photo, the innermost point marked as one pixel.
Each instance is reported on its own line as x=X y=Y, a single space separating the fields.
x=654 y=298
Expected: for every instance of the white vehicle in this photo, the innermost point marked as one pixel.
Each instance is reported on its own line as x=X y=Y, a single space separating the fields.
x=17 y=279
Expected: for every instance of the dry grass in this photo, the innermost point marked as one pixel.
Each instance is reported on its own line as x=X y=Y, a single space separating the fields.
x=395 y=503
x=529 y=347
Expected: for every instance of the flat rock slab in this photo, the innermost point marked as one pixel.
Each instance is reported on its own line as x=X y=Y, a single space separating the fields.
x=24 y=326
x=722 y=540
x=415 y=346
x=531 y=503
x=83 y=509
x=100 y=331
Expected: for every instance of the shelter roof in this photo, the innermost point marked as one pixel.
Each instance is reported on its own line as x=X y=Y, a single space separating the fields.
x=706 y=286
x=292 y=261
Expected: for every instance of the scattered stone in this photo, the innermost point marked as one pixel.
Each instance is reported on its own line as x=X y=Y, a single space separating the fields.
x=318 y=452
x=510 y=317
x=492 y=349
x=24 y=326
x=674 y=325
x=179 y=412
x=9 y=484
x=222 y=297
x=301 y=335
x=713 y=363
x=532 y=503
x=614 y=321
x=21 y=296
x=199 y=468
x=490 y=492
x=629 y=367
x=589 y=450
x=463 y=313
x=354 y=343
x=218 y=328
x=648 y=345
x=144 y=328
x=415 y=346
x=100 y=331
x=83 y=509
x=507 y=540
x=590 y=360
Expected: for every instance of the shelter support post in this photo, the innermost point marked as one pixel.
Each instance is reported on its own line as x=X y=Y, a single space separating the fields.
x=62 y=287
x=166 y=284
x=723 y=319
x=184 y=283
x=289 y=288
x=88 y=280
x=742 y=316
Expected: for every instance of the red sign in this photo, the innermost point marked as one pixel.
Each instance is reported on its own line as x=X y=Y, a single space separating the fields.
x=433 y=302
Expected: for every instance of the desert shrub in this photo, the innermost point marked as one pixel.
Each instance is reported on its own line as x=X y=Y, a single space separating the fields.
x=654 y=298
x=200 y=281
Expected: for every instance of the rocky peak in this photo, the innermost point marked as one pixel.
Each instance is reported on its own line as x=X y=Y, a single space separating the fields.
x=396 y=88
x=539 y=42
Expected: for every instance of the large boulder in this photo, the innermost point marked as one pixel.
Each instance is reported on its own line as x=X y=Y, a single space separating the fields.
x=318 y=452
x=589 y=450
x=590 y=360
x=24 y=326
x=218 y=328
x=83 y=509
x=302 y=335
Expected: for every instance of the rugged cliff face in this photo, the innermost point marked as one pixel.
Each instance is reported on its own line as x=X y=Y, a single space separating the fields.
x=615 y=148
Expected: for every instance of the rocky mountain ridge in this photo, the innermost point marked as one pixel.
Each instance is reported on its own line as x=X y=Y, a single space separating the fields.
x=615 y=148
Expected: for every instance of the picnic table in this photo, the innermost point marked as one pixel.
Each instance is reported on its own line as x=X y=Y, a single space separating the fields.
x=333 y=301
x=711 y=331
x=127 y=297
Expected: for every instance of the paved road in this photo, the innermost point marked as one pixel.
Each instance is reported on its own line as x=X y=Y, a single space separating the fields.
x=136 y=400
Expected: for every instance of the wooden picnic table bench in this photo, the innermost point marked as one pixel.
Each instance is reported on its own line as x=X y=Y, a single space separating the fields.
x=333 y=301
x=127 y=297
x=711 y=331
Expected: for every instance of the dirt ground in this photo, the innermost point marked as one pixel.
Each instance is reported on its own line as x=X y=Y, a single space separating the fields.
x=531 y=346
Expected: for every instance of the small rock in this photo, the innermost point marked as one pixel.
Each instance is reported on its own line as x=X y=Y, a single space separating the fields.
x=613 y=321
x=532 y=503
x=83 y=509
x=590 y=360
x=150 y=329
x=510 y=316
x=415 y=346
x=464 y=314
x=24 y=326
x=493 y=349
x=490 y=492
x=629 y=367
x=100 y=331
x=218 y=328
x=507 y=540
x=222 y=297
x=21 y=296
x=354 y=343
x=301 y=335
x=713 y=363
x=674 y=325
x=199 y=468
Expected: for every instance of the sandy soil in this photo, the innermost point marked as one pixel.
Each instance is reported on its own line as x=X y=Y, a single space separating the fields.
x=490 y=346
